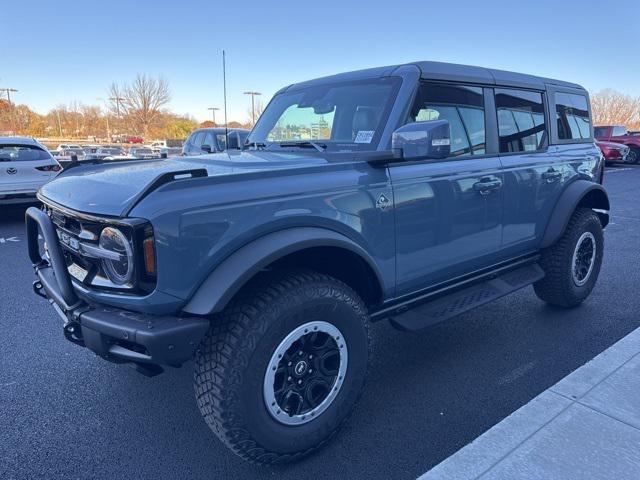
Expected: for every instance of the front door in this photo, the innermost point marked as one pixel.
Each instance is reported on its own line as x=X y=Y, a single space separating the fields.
x=448 y=212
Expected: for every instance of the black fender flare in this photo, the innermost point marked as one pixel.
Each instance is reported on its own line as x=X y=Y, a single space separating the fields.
x=591 y=194
x=237 y=269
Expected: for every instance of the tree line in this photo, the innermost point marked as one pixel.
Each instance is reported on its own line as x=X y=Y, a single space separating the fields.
x=138 y=108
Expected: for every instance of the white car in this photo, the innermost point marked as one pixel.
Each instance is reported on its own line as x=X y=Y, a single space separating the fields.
x=66 y=146
x=25 y=165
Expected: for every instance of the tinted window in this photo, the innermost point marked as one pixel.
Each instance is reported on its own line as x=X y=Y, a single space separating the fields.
x=196 y=140
x=462 y=106
x=521 y=123
x=209 y=140
x=572 y=114
x=22 y=153
x=619 y=131
x=600 y=132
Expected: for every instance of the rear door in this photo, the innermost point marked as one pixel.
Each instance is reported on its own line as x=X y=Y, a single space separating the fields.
x=535 y=172
x=448 y=212
x=24 y=168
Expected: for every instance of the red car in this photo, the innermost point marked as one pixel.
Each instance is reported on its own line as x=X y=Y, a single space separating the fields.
x=613 y=152
x=619 y=134
x=131 y=139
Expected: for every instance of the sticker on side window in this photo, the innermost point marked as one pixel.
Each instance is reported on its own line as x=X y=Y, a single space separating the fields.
x=364 y=136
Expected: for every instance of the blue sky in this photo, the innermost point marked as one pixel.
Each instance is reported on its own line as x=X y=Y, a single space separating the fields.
x=59 y=51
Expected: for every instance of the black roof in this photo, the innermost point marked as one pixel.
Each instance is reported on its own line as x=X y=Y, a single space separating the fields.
x=467 y=73
x=450 y=72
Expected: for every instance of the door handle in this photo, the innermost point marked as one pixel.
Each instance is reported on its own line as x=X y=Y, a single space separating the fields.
x=486 y=185
x=551 y=175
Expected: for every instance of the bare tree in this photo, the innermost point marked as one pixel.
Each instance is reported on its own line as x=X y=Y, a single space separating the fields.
x=259 y=106
x=614 y=108
x=140 y=102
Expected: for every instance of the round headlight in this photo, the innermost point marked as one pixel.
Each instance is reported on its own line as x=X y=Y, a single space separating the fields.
x=118 y=271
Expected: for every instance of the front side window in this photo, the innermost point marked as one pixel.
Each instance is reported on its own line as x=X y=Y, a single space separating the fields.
x=572 y=114
x=619 y=131
x=521 y=123
x=462 y=106
x=345 y=116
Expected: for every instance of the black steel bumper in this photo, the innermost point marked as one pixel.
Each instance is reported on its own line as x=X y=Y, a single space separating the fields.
x=117 y=335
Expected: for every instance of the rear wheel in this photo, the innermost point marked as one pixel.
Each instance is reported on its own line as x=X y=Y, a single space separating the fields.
x=634 y=155
x=573 y=263
x=283 y=365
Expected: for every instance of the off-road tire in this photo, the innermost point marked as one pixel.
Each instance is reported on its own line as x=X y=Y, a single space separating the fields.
x=231 y=361
x=558 y=286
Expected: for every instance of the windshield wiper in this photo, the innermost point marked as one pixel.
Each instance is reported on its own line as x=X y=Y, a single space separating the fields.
x=321 y=147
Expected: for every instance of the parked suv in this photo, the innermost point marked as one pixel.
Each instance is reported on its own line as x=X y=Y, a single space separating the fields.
x=619 y=134
x=411 y=193
x=211 y=140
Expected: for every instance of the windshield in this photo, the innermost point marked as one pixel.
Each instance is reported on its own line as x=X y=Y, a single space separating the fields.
x=341 y=116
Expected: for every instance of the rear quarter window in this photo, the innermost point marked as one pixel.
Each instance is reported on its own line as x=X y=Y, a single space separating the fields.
x=572 y=115
x=22 y=153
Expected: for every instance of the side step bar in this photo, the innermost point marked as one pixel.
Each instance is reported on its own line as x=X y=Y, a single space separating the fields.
x=463 y=300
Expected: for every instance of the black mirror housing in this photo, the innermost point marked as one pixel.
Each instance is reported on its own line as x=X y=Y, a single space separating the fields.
x=423 y=140
x=206 y=148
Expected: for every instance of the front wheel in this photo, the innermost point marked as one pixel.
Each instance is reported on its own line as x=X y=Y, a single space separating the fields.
x=283 y=365
x=633 y=156
x=573 y=263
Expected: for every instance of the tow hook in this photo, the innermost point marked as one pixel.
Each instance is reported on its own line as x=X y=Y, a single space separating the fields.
x=73 y=333
x=37 y=289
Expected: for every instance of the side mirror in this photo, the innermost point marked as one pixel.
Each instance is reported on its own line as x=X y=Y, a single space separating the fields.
x=418 y=140
x=206 y=148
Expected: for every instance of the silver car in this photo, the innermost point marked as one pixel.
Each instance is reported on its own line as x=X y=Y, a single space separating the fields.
x=25 y=165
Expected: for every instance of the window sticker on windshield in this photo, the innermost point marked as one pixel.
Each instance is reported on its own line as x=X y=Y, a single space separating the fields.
x=364 y=136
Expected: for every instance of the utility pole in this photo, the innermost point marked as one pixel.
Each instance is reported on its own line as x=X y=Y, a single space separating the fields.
x=59 y=124
x=213 y=111
x=8 y=92
x=253 y=106
x=117 y=100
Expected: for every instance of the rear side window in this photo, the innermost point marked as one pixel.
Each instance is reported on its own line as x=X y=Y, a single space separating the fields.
x=521 y=122
x=462 y=106
x=22 y=153
x=572 y=114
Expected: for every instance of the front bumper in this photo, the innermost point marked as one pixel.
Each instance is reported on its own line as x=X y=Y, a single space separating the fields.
x=115 y=334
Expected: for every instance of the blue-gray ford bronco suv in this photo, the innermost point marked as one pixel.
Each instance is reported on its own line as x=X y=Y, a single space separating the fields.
x=410 y=193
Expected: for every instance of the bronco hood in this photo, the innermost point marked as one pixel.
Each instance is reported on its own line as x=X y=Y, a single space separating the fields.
x=112 y=188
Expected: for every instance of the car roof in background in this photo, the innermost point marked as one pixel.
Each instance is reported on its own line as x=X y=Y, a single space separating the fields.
x=219 y=130
x=27 y=141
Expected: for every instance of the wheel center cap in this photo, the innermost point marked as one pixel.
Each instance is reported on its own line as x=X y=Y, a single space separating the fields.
x=301 y=368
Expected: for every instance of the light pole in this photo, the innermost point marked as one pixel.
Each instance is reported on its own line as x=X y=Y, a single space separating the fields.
x=213 y=111
x=13 y=120
x=253 y=106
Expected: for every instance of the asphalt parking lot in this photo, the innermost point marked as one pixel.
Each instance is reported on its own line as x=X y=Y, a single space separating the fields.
x=64 y=413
